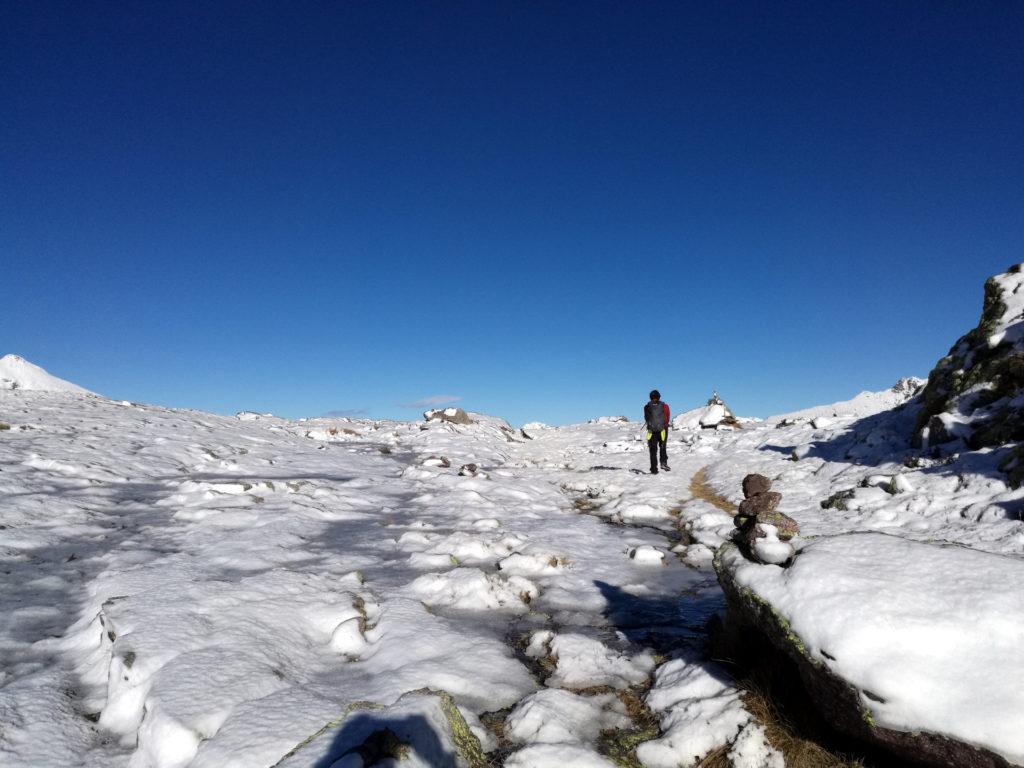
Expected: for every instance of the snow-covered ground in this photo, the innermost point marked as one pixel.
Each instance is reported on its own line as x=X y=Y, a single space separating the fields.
x=185 y=589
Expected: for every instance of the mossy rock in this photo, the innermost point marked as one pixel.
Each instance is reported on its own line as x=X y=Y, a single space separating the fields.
x=972 y=362
x=1013 y=465
x=838 y=701
x=838 y=499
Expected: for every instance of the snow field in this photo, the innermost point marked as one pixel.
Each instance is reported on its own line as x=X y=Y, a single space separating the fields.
x=211 y=591
x=240 y=584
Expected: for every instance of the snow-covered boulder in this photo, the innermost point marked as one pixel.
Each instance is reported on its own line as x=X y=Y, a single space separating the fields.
x=713 y=416
x=911 y=646
x=976 y=392
x=451 y=415
x=536 y=426
x=609 y=420
x=18 y=373
x=423 y=729
x=715 y=413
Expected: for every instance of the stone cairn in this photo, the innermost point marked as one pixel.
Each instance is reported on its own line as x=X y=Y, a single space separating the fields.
x=764 y=533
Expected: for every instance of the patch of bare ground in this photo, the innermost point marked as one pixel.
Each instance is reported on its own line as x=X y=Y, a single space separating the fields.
x=620 y=746
x=798 y=751
x=699 y=489
x=495 y=723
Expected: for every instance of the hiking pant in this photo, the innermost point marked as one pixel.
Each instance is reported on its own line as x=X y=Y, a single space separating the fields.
x=658 y=439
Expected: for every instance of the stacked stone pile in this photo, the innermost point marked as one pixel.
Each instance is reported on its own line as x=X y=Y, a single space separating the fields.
x=764 y=534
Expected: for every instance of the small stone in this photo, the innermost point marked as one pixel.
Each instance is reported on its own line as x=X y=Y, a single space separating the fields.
x=754 y=484
x=760 y=503
x=785 y=526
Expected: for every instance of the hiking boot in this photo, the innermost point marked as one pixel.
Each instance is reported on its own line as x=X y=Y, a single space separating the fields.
x=666 y=467
x=654 y=471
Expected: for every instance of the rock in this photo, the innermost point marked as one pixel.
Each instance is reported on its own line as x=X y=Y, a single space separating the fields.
x=764 y=544
x=754 y=484
x=838 y=499
x=900 y=484
x=647 y=555
x=760 y=503
x=437 y=461
x=451 y=415
x=785 y=526
x=713 y=416
x=609 y=420
x=765 y=538
x=423 y=728
x=535 y=426
x=973 y=392
x=893 y=662
x=801 y=451
x=937 y=432
x=821 y=422
x=469 y=470
x=764 y=533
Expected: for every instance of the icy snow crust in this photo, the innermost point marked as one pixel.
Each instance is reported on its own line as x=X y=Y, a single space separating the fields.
x=184 y=589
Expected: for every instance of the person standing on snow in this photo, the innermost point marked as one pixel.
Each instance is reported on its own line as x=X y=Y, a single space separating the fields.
x=656 y=416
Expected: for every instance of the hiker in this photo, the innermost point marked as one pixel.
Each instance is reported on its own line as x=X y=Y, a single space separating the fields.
x=656 y=416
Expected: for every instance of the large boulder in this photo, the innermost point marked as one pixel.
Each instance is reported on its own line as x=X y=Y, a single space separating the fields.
x=713 y=415
x=451 y=415
x=423 y=729
x=914 y=648
x=976 y=392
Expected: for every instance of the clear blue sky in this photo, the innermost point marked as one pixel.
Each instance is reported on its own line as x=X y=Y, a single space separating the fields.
x=544 y=209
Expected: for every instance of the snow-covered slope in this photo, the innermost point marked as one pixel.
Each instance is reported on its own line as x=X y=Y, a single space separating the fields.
x=859 y=406
x=185 y=589
x=18 y=373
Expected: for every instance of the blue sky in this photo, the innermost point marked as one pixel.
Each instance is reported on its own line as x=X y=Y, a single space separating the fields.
x=541 y=209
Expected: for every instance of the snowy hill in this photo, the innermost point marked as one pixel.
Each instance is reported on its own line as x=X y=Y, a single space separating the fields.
x=863 y=404
x=18 y=373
